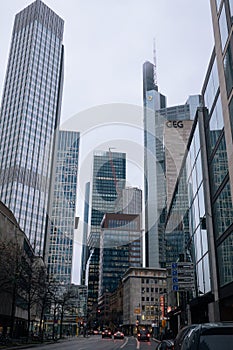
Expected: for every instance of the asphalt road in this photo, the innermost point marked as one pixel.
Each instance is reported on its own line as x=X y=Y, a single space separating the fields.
x=97 y=343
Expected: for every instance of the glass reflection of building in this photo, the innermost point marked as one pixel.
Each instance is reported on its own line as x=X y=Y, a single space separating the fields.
x=108 y=179
x=62 y=220
x=30 y=113
x=120 y=248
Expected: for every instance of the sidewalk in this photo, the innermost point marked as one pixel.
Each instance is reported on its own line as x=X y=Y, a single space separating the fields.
x=34 y=344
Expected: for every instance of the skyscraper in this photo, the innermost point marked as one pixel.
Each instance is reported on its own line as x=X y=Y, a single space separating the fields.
x=63 y=205
x=30 y=113
x=120 y=248
x=152 y=101
x=158 y=120
x=108 y=179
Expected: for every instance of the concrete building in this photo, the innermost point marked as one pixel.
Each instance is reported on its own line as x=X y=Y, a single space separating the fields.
x=17 y=266
x=144 y=302
x=30 y=113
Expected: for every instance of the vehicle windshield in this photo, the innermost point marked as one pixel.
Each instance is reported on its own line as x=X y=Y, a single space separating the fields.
x=216 y=342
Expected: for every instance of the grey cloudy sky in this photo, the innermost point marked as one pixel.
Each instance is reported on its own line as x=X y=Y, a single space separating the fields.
x=106 y=43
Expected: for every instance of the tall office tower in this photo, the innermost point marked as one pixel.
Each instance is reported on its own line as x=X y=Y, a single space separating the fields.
x=108 y=179
x=85 y=249
x=152 y=101
x=158 y=170
x=129 y=201
x=30 y=113
x=120 y=248
x=62 y=209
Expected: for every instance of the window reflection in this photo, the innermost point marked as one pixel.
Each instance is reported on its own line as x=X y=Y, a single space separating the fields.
x=225 y=260
x=212 y=87
x=223 y=211
x=219 y=165
x=223 y=27
x=228 y=67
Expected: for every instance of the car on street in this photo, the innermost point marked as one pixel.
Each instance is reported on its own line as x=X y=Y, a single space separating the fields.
x=143 y=335
x=118 y=335
x=107 y=333
x=180 y=336
x=166 y=344
x=209 y=336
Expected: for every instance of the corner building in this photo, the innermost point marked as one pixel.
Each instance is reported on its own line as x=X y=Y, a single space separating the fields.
x=30 y=113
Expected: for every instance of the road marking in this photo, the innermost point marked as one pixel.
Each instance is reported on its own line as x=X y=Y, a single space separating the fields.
x=123 y=345
x=138 y=344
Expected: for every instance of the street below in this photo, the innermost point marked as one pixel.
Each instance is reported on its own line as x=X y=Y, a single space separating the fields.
x=97 y=343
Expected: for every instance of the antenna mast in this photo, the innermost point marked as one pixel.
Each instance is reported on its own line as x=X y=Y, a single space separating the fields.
x=155 y=63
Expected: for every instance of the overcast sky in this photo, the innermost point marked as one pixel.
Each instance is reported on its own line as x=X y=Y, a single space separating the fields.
x=106 y=43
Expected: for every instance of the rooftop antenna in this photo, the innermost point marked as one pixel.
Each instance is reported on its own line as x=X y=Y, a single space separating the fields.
x=155 y=63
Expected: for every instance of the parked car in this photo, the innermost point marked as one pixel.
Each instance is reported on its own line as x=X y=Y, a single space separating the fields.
x=118 y=335
x=209 y=336
x=143 y=334
x=166 y=345
x=106 y=333
x=180 y=336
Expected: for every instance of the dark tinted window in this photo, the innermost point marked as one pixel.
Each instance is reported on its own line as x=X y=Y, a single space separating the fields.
x=216 y=342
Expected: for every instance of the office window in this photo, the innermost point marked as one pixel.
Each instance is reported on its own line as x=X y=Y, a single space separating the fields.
x=223 y=27
x=228 y=67
x=223 y=211
x=225 y=260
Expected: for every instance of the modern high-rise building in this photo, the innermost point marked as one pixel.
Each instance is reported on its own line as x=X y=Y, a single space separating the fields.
x=161 y=160
x=129 y=201
x=60 y=242
x=120 y=248
x=30 y=113
x=108 y=179
x=85 y=249
x=152 y=101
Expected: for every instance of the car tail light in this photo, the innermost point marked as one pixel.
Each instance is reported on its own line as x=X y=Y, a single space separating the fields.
x=139 y=334
x=148 y=335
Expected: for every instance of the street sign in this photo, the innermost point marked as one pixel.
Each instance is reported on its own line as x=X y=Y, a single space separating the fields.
x=175 y=287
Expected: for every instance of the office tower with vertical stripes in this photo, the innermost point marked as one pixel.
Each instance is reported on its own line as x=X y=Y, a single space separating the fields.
x=60 y=243
x=30 y=113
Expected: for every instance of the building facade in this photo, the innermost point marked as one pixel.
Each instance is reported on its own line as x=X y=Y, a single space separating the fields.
x=130 y=201
x=218 y=98
x=62 y=208
x=144 y=300
x=120 y=248
x=152 y=101
x=30 y=113
x=108 y=179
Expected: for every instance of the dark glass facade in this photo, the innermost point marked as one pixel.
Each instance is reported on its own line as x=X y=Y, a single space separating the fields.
x=120 y=248
x=108 y=178
x=30 y=113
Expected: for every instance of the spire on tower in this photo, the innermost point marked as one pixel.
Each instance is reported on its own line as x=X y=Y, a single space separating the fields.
x=155 y=65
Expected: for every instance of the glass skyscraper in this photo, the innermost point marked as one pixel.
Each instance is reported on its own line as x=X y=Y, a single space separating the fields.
x=108 y=179
x=63 y=205
x=30 y=113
